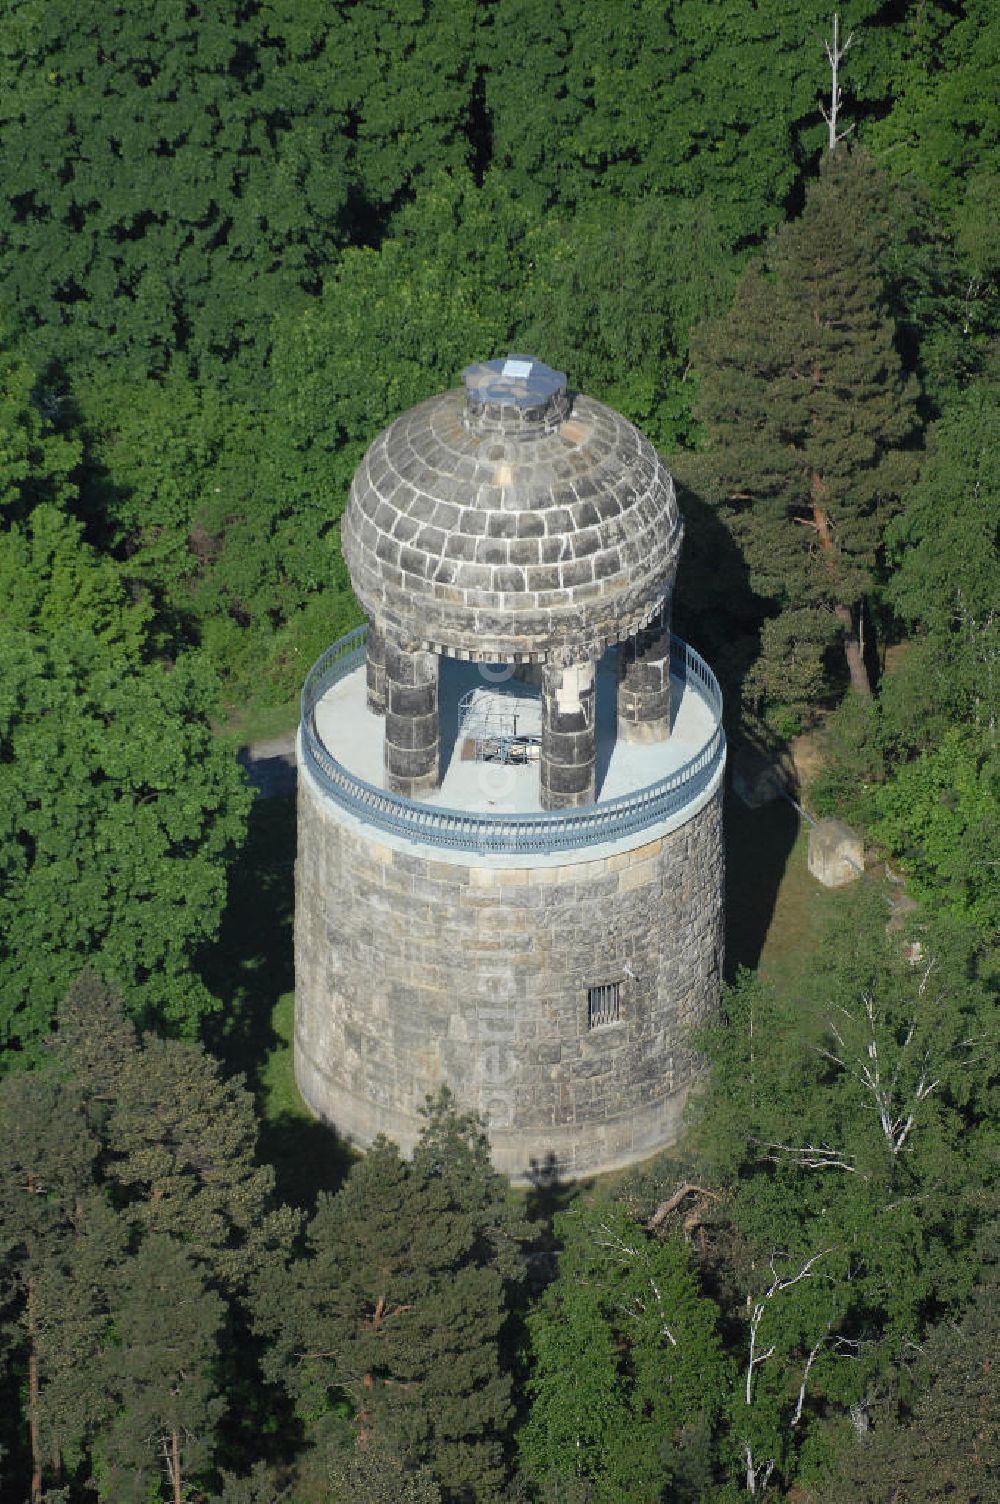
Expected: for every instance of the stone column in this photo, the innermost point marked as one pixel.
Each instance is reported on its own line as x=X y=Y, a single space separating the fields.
x=411 y=720
x=569 y=747
x=375 y=668
x=644 y=683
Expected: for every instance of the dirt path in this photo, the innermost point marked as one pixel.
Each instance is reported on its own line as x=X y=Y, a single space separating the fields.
x=270 y=765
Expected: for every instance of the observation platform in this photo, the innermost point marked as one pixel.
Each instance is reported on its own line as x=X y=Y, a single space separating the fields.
x=494 y=808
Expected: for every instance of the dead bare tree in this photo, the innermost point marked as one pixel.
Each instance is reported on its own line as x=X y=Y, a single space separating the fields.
x=810 y=1360
x=895 y=1102
x=778 y=1283
x=758 y=1472
x=807 y=1156
x=627 y=1254
x=899 y=1065
x=835 y=53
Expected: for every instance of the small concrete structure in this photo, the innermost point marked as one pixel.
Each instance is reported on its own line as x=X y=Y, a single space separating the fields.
x=836 y=853
x=543 y=934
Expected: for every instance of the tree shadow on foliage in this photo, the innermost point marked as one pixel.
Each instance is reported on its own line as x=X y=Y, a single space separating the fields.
x=308 y=1157
x=250 y=965
x=250 y=968
x=547 y=1194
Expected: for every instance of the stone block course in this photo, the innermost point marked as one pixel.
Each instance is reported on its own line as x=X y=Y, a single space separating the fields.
x=412 y=971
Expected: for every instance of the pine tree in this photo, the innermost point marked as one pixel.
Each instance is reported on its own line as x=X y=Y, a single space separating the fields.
x=174 y=1151
x=949 y=1446
x=93 y=1044
x=399 y=1304
x=76 y=1309
x=183 y=1155
x=159 y=1373
x=808 y=414
x=56 y=1245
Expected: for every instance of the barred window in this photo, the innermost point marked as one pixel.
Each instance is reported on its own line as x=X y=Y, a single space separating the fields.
x=603 y=1004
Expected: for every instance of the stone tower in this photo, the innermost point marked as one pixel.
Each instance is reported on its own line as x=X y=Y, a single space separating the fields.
x=509 y=872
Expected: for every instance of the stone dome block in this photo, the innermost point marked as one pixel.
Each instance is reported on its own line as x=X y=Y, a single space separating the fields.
x=527 y=524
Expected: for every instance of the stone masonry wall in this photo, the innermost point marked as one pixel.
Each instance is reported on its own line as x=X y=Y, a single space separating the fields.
x=411 y=972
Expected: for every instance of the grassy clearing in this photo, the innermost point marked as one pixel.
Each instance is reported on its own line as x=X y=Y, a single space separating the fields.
x=775 y=909
x=278 y=1091
x=769 y=893
x=244 y=724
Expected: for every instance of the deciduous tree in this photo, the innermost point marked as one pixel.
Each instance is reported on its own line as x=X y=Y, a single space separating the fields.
x=121 y=812
x=944 y=551
x=610 y=104
x=145 y=182
x=627 y=1373
x=849 y=1115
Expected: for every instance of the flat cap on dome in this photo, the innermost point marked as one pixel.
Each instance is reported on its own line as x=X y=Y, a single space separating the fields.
x=516 y=395
x=512 y=521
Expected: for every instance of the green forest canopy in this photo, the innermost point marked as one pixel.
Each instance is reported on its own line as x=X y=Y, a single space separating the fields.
x=237 y=240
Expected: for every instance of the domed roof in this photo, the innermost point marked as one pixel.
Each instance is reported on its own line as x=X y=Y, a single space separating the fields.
x=512 y=521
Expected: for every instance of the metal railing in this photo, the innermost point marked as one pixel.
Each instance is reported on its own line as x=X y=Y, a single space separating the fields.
x=508 y=834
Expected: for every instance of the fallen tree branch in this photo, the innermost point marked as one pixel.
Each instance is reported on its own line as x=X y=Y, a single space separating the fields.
x=673 y=1202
